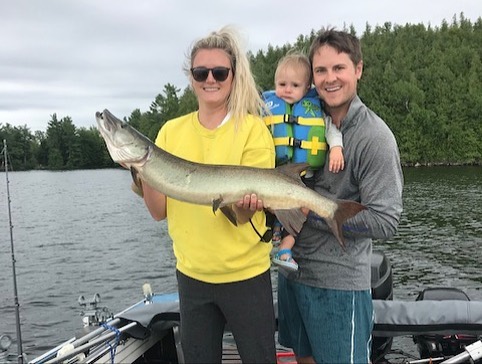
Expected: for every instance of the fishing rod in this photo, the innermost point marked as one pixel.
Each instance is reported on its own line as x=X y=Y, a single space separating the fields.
x=17 y=306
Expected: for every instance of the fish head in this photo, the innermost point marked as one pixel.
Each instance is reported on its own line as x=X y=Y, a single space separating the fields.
x=125 y=144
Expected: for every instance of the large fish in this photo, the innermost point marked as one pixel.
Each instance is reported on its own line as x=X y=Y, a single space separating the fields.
x=219 y=186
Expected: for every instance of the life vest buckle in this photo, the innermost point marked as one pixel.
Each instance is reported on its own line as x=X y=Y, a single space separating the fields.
x=290 y=119
x=296 y=143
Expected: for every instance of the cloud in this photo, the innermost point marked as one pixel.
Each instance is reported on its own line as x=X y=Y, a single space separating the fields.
x=74 y=58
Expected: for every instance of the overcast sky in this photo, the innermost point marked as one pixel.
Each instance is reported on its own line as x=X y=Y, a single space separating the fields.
x=74 y=58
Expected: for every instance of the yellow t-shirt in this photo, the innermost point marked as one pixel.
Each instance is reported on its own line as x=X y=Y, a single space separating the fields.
x=207 y=246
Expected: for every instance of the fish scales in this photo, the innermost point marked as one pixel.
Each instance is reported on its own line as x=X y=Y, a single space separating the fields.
x=280 y=189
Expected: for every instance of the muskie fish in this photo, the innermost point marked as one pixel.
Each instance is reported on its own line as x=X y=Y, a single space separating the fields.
x=219 y=186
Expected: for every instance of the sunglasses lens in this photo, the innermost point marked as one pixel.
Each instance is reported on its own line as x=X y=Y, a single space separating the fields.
x=200 y=74
x=220 y=73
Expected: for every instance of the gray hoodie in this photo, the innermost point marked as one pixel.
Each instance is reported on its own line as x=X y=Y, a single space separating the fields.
x=373 y=177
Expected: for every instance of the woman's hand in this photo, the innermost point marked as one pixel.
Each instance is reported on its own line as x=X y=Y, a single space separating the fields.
x=250 y=202
x=246 y=207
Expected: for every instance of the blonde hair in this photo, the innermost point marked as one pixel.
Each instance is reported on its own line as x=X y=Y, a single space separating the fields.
x=244 y=97
x=296 y=60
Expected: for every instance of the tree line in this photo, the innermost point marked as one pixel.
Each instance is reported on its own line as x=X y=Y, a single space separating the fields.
x=424 y=81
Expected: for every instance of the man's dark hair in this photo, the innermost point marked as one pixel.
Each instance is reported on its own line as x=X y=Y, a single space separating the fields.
x=340 y=40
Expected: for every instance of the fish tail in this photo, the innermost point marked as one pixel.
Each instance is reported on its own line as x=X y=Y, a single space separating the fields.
x=345 y=210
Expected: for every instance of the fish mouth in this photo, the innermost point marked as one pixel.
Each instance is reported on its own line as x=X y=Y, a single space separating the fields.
x=108 y=126
x=107 y=121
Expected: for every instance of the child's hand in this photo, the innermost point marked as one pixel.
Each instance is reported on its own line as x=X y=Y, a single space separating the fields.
x=337 y=162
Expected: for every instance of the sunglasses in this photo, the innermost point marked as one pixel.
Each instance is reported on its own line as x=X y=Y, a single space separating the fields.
x=200 y=74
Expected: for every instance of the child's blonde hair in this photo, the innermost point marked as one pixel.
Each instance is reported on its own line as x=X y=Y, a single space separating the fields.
x=296 y=60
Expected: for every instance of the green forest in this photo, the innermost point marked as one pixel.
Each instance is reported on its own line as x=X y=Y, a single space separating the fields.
x=424 y=81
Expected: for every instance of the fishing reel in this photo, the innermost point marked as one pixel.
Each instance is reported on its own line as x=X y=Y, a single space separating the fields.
x=92 y=314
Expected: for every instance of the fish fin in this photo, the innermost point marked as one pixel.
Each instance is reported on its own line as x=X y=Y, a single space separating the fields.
x=292 y=220
x=230 y=214
x=136 y=185
x=216 y=203
x=293 y=170
x=345 y=210
x=226 y=210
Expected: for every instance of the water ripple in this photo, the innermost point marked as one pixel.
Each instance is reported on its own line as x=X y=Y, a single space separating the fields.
x=84 y=232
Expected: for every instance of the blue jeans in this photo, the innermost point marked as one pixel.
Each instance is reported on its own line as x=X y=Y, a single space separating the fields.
x=332 y=326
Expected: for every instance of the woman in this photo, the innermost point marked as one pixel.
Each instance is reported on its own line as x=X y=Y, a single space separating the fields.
x=222 y=269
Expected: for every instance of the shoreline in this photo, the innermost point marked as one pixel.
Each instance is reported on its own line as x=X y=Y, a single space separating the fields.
x=442 y=164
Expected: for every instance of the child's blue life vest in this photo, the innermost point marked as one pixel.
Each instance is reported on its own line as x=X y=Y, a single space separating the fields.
x=298 y=130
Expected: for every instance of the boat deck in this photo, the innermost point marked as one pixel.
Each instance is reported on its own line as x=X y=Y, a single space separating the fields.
x=231 y=355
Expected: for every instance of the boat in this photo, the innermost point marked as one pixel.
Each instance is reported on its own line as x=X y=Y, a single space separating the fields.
x=445 y=326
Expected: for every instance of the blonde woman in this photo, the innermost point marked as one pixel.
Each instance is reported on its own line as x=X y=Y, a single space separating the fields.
x=222 y=269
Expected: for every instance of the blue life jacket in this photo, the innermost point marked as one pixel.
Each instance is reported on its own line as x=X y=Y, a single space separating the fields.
x=298 y=130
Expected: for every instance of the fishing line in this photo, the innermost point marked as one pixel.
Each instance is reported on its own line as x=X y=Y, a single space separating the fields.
x=17 y=306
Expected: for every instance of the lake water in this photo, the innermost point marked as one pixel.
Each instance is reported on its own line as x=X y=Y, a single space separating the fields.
x=84 y=232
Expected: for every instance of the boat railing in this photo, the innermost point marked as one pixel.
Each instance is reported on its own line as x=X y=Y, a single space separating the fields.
x=392 y=318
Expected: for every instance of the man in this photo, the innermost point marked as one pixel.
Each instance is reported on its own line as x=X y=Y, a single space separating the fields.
x=325 y=308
